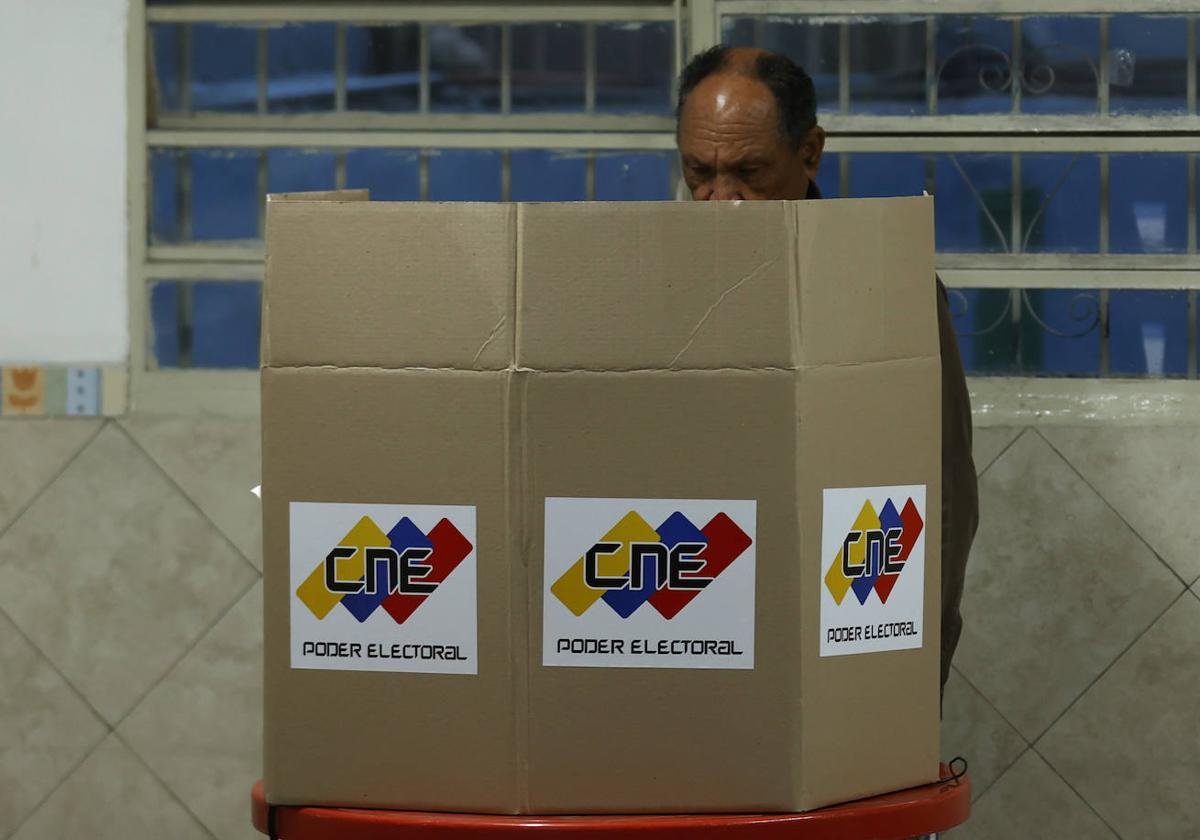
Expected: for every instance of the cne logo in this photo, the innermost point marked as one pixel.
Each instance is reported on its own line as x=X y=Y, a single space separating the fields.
x=397 y=570
x=874 y=552
x=634 y=563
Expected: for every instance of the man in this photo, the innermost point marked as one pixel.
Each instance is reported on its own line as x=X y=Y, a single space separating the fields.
x=747 y=129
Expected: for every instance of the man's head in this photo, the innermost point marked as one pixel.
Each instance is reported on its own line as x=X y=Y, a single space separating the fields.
x=747 y=126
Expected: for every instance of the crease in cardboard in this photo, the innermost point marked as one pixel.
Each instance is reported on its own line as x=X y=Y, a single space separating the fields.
x=792 y=220
x=491 y=337
x=522 y=717
x=521 y=651
x=759 y=269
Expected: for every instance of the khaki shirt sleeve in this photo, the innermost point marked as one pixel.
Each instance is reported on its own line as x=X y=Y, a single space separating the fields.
x=960 y=494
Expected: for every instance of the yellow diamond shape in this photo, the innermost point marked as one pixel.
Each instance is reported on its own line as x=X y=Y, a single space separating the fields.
x=313 y=593
x=573 y=590
x=837 y=583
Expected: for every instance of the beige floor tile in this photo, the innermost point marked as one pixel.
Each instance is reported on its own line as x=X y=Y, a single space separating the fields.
x=971 y=728
x=1131 y=745
x=216 y=461
x=1056 y=588
x=112 y=796
x=1030 y=802
x=45 y=728
x=200 y=730
x=112 y=573
x=1151 y=476
x=989 y=442
x=32 y=452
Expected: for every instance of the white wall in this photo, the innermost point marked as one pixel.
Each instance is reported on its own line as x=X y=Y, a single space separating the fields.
x=63 y=219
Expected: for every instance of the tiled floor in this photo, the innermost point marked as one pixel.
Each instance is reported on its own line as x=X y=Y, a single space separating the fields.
x=130 y=632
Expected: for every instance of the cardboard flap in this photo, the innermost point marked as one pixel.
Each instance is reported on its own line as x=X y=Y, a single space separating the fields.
x=390 y=285
x=867 y=263
x=635 y=286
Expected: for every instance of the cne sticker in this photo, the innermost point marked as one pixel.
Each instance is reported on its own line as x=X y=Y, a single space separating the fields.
x=872 y=569
x=649 y=583
x=383 y=587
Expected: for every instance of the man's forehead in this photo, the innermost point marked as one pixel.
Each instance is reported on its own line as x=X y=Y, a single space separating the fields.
x=729 y=98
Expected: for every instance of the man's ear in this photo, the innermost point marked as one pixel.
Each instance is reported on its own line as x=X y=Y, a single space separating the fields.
x=812 y=150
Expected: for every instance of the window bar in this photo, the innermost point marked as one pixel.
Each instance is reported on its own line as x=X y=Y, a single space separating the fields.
x=183 y=333
x=930 y=174
x=1191 y=64
x=423 y=175
x=931 y=85
x=506 y=175
x=589 y=68
x=590 y=176
x=1017 y=73
x=261 y=55
x=1104 y=364
x=843 y=68
x=1102 y=93
x=1015 y=237
x=506 y=71
x=185 y=68
x=339 y=169
x=1191 y=361
x=261 y=172
x=339 y=70
x=844 y=175
x=423 y=68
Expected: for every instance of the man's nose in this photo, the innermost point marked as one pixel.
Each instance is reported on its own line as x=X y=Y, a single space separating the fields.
x=727 y=189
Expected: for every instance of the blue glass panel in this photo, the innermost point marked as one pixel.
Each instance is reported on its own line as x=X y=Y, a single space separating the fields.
x=886 y=175
x=1148 y=333
x=1061 y=212
x=390 y=174
x=464 y=64
x=299 y=170
x=464 y=175
x=1061 y=73
x=973 y=202
x=382 y=68
x=547 y=67
x=634 y=176
x=224 y=76
x=887 y=66
x=300 y=60
x=829 y=176
x=1147 y=64
x=1147 y=203
x=1060 y=332
x=633 y=68
x=974 y=61
x=540 y=175
x=987 y=338
x=164 y=195
x=224 y=194
x=164 y=323
x=225 y=324
x=164 y=46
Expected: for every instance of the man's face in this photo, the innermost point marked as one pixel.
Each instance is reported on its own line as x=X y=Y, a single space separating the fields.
x=731 y=147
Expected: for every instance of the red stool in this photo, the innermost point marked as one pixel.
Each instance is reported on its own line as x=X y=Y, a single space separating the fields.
x=895 y=816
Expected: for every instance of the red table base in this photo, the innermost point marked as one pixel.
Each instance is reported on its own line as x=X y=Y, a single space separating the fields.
x=908 y=813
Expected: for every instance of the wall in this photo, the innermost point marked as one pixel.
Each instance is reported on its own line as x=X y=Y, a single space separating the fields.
x=63 y=218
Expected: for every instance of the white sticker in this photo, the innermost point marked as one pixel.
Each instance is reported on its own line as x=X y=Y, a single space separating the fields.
x=649 y=583
x=383 y=587
x=872 y=569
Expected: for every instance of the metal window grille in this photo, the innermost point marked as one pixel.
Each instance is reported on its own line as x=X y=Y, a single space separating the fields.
x=915 y=120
